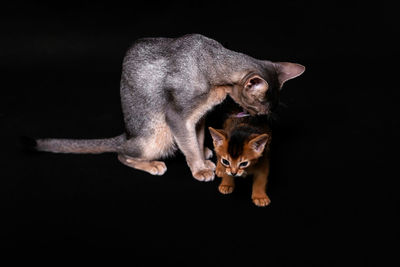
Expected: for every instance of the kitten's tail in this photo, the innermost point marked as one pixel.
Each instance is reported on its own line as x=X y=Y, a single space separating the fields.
x=91 y=146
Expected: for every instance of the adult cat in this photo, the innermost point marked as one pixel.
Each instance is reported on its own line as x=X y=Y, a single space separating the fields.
x=167 y=86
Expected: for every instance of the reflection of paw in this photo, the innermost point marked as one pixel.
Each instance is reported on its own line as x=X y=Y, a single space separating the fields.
x=210 y=164
x=207 y=153
x=204 y=175
x=261 y=201
x=225 y=189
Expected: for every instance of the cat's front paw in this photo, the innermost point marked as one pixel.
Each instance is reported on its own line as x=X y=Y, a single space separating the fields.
x=261 y=201
x=209 y=164
x=204 y=175
x=225 y=189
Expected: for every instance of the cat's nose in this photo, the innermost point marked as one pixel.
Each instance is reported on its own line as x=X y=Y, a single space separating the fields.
x=233 y=173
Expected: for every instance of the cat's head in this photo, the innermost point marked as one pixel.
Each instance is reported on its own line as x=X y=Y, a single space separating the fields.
x=258 y=91
x=238 y=152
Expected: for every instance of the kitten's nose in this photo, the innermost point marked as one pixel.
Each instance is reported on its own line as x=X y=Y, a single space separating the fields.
x=233 y=173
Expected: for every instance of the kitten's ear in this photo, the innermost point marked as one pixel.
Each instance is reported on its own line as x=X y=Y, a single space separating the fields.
x=287 y=71
x=256 y=86
x=258 y=143
x=218 y=136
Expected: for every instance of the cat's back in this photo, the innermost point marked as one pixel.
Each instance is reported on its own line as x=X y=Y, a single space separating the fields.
x=194 y=42
x=163 y=47
x=152 y=64
x=146 y=51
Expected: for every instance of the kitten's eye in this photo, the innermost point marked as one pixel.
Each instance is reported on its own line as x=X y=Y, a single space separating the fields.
x=244 y=164
x=225 y=162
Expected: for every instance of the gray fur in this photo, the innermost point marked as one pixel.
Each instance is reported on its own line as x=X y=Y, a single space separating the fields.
x=165 y=88
x=94 y=146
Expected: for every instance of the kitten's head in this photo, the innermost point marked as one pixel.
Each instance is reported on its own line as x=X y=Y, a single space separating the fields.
x=239 y=151
x=258 y=91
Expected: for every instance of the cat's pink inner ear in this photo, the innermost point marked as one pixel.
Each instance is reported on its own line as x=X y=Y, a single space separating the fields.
x=218 y=136
x=256 y=85
x=258 y=143
x=287 y=71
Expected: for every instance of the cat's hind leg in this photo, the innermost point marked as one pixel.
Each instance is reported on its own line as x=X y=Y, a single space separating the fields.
x=151 y=166
x=154 y=142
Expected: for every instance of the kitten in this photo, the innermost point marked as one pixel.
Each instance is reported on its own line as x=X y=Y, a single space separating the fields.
x=242 y=149
x=167 y=86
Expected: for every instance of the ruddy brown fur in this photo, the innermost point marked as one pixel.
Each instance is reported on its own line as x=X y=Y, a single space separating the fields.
x=242 y=149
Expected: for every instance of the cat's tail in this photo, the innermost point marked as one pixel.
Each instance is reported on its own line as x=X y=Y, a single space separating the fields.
x=81 y=146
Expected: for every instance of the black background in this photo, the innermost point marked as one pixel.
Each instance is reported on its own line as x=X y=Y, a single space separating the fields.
x=330 y=185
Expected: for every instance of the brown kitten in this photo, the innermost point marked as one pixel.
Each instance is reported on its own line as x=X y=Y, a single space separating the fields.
x=242 y=149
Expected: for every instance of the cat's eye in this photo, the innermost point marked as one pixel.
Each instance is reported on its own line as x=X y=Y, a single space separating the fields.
x=225 y=162
x=244 y=164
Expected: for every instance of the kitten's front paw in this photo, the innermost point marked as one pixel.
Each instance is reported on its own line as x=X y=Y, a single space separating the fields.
x=262 y=201
x=225 y=189
x=204 y=175
x=219 y=172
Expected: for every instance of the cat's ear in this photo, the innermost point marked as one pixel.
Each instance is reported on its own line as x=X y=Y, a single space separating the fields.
x=218 y=136
x=258 y=142
x=287 y=71
x=255 y=86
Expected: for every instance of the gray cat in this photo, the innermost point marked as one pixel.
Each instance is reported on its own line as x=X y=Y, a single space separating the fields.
x=167 y=86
